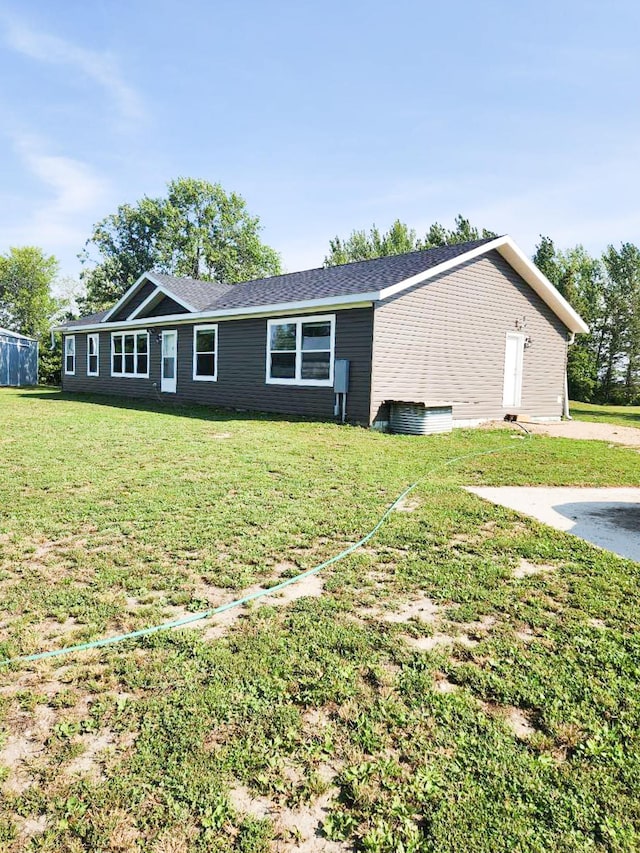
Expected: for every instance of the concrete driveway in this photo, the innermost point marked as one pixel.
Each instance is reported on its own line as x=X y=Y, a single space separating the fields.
x=609 y=518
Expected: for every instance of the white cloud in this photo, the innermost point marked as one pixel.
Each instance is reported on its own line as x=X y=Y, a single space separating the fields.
x=101 y=67
x=60 y=216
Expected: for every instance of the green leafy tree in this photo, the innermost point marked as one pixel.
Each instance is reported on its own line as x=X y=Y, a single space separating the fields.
x=197 y=230
x=26 y=303
x=362 y=246
x=580 y=278
x=621 y=346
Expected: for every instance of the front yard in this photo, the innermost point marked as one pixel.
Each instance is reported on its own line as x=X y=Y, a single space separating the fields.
x=468 y=680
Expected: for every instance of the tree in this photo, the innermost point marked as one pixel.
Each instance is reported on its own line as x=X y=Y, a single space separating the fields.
x=26 y=303
x=197 y=230
x=621 y=380
x=360 y=246
x=581 y=280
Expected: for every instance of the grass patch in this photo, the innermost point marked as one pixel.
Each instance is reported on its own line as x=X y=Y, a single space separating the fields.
x=620 y=415
x=321 y=711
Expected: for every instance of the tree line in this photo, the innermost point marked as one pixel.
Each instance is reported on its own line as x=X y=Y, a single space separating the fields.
x=603 y=366
x=199 y=230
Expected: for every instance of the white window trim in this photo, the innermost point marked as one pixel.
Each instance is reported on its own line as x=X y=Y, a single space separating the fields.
x=96 y=338
x=67 y=340
x=205 y=328
x=308 y=318
x=133 y=332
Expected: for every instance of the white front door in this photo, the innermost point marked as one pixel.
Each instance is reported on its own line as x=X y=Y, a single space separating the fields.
x=513 y=361
x=169 y=362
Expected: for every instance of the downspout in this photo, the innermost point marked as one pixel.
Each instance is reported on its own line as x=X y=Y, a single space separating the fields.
x=565 y=408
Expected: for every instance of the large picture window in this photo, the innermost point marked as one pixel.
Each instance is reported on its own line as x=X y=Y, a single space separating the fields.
x=205 y=353
x=300 y=350
x=70 y=355
x=93 y=350
x=130 y=354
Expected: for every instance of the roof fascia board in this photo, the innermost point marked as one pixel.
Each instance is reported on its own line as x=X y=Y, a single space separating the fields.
x=146 y=276
x=516 y=258
x=393 y=289
x=309 y=306
x=159 y=290
x=153 y=295
x=125 y=296
x=504 y=245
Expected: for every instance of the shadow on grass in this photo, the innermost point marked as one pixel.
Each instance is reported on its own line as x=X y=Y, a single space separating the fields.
x=200 y=411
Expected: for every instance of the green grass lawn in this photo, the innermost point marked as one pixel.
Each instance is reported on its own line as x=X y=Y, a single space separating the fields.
x=507 y=718
x=621 y=415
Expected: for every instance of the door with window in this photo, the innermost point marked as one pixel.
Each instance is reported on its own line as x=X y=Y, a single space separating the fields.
x=169 y=362
x=513 y=363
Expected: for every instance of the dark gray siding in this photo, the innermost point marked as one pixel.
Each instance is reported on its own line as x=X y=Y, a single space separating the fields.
x=445 y=340
x=105 y=383
x=131 y=304
x=241 y=381
x=164 y=307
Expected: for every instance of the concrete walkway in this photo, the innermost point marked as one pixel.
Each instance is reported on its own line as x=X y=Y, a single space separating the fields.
x=609 y=518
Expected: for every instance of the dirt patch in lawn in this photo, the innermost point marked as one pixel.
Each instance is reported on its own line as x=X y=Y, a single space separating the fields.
x=296 y=829
x=525 y=569
x=310 y=586
x=408 y=504
x=515 y=718
x=87 y=764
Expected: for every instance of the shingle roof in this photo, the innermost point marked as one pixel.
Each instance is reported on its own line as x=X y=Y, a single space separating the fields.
x=325 y=282
x=84 y=321
x=196 y=293
x=321 y=283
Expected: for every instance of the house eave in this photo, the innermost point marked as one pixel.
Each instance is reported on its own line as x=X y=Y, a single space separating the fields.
x=308 y=306
x=516 y=258
x=146 y=276
x=505 y=246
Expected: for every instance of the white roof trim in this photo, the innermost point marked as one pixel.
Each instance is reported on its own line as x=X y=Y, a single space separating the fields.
x=514 y=255
x=153 y=295
x=11 y=334
x=308 y=306
x=146 y=276
x=516 y=258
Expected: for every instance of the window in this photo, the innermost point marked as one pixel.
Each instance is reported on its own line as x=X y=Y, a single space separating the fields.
x=70 y=355
x=129 y=354
x=300 y=350
x=205 y=346
x=93 y=348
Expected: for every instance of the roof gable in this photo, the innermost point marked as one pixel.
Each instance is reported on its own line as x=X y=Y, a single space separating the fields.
x=192 y=294
x=361 y=282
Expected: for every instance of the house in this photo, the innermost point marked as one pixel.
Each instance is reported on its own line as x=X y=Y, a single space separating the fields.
x=18 y=359
x=475 y=328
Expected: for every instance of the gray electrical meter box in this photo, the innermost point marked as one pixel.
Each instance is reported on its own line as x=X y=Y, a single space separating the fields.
x=341 y=376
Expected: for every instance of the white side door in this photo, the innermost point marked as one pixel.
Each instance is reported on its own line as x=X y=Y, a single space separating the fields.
x=513 y=363
x=169 y=362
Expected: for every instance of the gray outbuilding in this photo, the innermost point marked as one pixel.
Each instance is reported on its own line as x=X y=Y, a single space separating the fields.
x=18 y=359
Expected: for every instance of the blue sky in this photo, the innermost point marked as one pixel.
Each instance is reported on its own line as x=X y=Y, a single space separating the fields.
x=326 y=116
